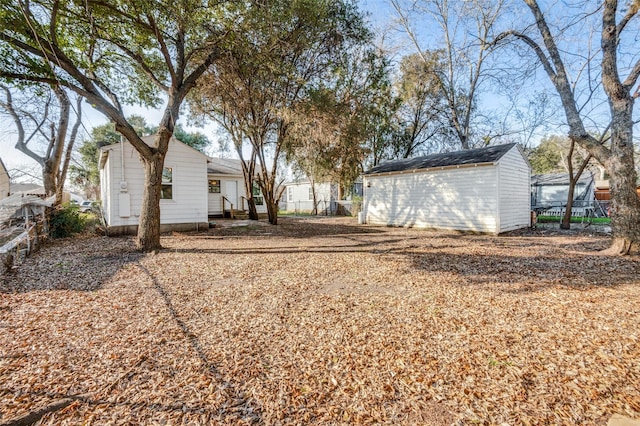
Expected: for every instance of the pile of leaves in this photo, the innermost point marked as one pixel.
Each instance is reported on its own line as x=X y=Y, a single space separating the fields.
x=322 y=321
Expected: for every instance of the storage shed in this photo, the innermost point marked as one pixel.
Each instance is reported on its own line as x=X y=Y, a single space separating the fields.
x=481 y=190
x=298 y=197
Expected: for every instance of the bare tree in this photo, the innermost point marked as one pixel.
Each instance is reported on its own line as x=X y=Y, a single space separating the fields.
x=287 y=51
x=618 y=157
x=466 y=30
x=38 y=126
x=573 y=180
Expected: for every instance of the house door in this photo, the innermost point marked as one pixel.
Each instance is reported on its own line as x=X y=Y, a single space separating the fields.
x=231 y=192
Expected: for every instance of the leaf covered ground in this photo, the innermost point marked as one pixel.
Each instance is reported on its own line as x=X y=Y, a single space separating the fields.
x=321 y=321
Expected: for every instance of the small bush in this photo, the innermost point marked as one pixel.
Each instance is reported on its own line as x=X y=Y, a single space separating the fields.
x=66 y=220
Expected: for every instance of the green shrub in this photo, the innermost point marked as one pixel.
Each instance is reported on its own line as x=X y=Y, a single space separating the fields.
x=66 y=220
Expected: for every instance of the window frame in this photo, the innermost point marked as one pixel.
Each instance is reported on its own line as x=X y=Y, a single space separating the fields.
x=256 y=194
x=170 y=184
x=219 y=191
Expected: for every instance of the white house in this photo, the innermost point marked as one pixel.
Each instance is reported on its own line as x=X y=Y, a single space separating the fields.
x=183 y=204
x=194 y=188
x=482 y=190
x=298 y=197
x=226 y=188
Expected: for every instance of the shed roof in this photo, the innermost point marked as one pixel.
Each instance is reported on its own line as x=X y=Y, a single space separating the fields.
x=560 y=179
x=224 y=166
x=489 y=154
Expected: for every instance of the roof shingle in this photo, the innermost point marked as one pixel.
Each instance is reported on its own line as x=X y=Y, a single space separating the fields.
x=466 y=157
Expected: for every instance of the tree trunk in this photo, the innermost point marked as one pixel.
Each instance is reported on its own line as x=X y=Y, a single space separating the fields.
x=251 y=203
x=271 y=199
x=573 y=181
x=49 y=178
x=149 y=224
x=62 y=175
x=272 y=208
x=253 y=211
x=248 y=189
x=314 y=210
x=566 y=219
x=625 y=205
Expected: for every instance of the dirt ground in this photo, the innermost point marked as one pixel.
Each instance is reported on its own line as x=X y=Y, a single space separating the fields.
x=321 y=321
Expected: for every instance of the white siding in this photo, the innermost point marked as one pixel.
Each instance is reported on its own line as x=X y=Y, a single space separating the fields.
x=296 y=197
x=515 y=191
x=105 y=190
x=189 y=203
x=456 y=198
x=214 y=200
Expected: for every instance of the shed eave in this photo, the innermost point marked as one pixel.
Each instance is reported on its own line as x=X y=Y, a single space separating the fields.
x=427 y=169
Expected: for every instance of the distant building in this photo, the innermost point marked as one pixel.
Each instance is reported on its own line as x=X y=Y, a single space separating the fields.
x=4 y=181
x=552 y=189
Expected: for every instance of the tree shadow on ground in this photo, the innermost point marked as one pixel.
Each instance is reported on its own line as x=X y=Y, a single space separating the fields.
x=240 y=408
x=522 y=273
x=356 y=246
x=295 y=228
x=77 y=264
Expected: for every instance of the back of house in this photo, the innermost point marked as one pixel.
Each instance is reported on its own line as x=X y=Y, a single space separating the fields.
x=183 y=203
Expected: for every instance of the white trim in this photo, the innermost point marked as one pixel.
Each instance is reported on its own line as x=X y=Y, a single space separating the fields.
x=498 y=200
x=428 y=169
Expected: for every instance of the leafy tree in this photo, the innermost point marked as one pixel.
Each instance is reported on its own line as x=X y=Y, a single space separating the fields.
x=195 y=140
x=35 y=120
x=114 y=52
x=287 y=49
x=618 y=74
x=547 y=156
x=345 y=121
x=423 y=112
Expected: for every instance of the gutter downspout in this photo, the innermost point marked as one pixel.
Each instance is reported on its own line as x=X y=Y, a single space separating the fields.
x=124 y=204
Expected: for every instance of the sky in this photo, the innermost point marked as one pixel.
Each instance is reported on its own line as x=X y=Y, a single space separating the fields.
x=381 y=16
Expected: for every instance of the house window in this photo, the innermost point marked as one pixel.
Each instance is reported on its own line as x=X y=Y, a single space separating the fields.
x=166 y=192
x=311 y=193
x=257 y=197
x=290 y=194
x=214 y=186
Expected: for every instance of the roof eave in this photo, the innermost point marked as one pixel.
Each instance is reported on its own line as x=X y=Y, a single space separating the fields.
x=428 y=169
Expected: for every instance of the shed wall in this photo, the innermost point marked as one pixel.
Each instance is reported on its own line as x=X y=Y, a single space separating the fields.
x=459 y=199
x=514 y=189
